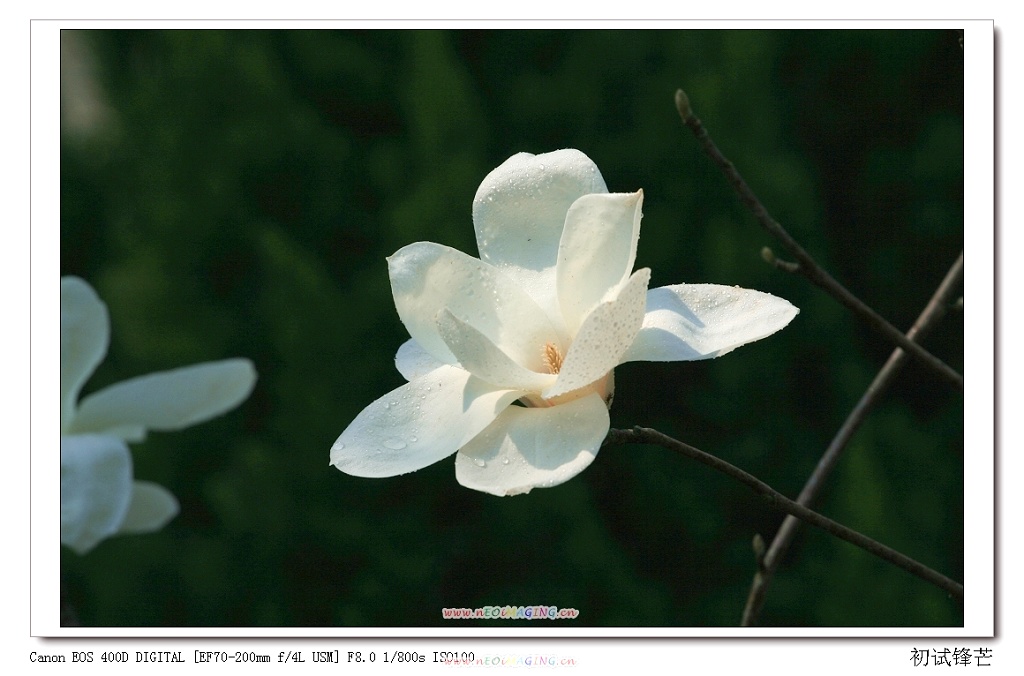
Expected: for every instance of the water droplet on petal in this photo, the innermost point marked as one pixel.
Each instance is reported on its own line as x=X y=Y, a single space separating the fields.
x=504 y=461
x=395 y=444
x=479 y=463
x=339 y=446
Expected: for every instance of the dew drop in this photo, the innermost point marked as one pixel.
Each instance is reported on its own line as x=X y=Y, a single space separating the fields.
x=479 y=463
x=395 y=444
x=339 y=446
x=387 y=405
x=413 y=439
x=504 y=461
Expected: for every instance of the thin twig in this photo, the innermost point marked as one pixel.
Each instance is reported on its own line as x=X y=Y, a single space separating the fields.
x=769 y=257
x=780 y=502
x=807 y=266
x=932 y=313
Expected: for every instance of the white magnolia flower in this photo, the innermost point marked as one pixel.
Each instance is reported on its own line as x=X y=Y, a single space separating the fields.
x=541 y=319
x=98 y=496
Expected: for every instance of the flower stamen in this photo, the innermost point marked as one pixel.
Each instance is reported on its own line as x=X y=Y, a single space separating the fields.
x=552 y=358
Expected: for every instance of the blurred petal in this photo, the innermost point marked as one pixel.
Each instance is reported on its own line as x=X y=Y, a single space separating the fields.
x=151 y=507
x=95 y=489
x=604 y=337
x=84 y=334
x=412 y=361
x=169 y=400
x=596 y=252
x=418 y=424
x=129 y=433
x=478 y=355
x=527 y=448
x=427 y=278
x=699 y=321
x=519 y=211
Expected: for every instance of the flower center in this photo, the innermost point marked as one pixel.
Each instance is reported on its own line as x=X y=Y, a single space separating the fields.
x=552 y=358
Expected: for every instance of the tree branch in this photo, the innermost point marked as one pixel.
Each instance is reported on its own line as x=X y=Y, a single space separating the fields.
x=932 y=313
x=805 y=264
x=780 y=502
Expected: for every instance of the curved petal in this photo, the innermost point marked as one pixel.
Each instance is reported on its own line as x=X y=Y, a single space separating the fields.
x=686 y=322
x=527 y=448
x=427 y=278
x=84 y=335
x=412 y=361
x=596 y=252
x=604 y=337
x=418 y=424
x=130 y=433
x=95 y=489
x=519 y=211
x=485 y=360
x=169 y=400
x=152 y=506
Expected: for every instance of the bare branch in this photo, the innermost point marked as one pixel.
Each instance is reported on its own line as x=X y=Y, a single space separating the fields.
x=932 y=313
x=781 y=503
x=806 y=265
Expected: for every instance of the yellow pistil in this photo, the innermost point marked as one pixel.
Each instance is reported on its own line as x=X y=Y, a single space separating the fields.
x=552 y=358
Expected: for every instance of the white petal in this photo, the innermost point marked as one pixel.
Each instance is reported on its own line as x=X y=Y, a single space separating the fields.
x=527 y=448
x=604 y=337
x=478 y=355
x=169 y=400
x=95 y=489
x=427 y=278
x=418 y=424
x=519 y=211
x=152 y=506
x=129 y=433
x=698 y=321
x=597 y=251
x=412 y=361
x=84 y=334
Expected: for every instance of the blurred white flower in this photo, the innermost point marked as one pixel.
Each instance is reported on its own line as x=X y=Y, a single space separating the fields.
x=98 y=496
x=542 y=318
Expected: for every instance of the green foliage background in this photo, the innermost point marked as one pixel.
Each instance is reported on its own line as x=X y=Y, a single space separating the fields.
x=239 y=198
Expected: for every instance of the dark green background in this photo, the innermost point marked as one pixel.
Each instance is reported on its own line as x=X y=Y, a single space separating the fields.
x=242 y=194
